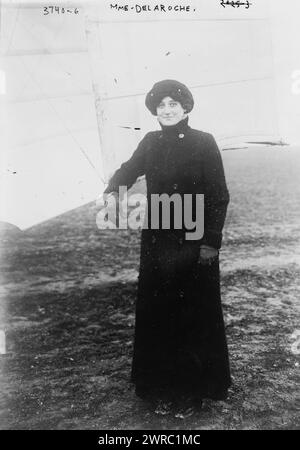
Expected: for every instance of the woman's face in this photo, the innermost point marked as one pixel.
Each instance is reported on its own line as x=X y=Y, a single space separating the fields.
x=170 y=112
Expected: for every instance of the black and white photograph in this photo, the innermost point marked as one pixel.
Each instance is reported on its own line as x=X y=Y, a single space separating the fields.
x=149 y=217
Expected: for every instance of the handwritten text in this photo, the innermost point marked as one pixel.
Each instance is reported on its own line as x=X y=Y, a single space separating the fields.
x=235 y=4
x=138 y=8
x=59 y=10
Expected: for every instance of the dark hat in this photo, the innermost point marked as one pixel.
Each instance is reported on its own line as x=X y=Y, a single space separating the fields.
x=169 y=88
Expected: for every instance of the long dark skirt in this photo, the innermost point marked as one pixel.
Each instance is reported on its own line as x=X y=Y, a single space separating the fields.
x=180 y=344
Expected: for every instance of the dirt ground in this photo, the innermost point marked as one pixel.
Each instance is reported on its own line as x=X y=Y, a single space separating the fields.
x=67 y=307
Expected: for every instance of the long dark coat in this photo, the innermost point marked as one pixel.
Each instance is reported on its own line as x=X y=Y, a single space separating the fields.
x=180 y=342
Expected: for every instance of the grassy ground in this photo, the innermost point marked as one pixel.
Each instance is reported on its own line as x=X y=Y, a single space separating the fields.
x=67 y=306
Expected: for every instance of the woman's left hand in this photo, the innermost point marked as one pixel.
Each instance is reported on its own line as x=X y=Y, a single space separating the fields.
x=207 y=255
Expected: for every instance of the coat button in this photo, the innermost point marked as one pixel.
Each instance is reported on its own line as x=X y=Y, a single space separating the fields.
x=181 y=135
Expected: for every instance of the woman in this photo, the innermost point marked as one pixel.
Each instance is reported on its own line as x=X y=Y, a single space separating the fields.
x=180 y=348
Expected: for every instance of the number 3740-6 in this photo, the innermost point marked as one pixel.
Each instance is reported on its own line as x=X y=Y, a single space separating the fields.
x=59 y=10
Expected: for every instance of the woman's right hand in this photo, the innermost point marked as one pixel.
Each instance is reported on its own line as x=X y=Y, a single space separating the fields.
x=105 y=199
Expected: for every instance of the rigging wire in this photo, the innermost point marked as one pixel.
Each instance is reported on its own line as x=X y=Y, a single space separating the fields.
x=63 y=123
x=45 y=97
x=39 y=61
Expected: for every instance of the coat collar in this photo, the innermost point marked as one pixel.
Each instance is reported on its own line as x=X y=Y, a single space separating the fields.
x=177 y=130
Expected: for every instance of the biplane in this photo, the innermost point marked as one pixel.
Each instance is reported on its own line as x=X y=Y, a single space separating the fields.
x=74 y=78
